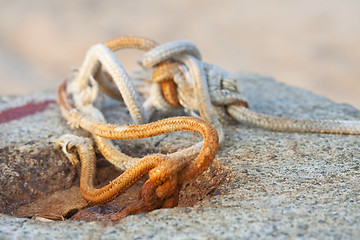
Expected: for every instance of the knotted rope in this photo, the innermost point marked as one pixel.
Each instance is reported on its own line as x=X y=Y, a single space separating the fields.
x=179 y=79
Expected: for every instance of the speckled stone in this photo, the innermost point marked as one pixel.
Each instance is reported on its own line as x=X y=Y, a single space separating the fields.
x=284 y=185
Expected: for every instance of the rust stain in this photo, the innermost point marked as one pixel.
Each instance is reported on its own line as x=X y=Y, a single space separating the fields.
x=23 y=111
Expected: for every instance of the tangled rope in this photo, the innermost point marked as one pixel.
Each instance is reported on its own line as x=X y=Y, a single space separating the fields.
x=179 y=79
x=77 y=99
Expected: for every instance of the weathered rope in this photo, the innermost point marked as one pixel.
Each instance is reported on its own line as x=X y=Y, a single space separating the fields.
x=179 y=79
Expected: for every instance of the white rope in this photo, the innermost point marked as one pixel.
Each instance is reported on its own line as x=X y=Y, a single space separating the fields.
x=273 y=123
x=168 y=50
x=100 y=53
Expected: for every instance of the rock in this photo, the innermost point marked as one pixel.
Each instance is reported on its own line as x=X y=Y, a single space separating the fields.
x=271 y=184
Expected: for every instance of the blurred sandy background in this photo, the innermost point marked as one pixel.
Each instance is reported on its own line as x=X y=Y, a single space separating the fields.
x=313 y=44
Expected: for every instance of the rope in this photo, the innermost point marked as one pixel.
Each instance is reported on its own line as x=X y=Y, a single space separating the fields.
x=179 y=79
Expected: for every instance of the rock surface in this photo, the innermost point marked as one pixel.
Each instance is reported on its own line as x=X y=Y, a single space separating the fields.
x=280 y=185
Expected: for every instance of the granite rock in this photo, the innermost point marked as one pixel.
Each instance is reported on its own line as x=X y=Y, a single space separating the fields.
x=280 y=185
